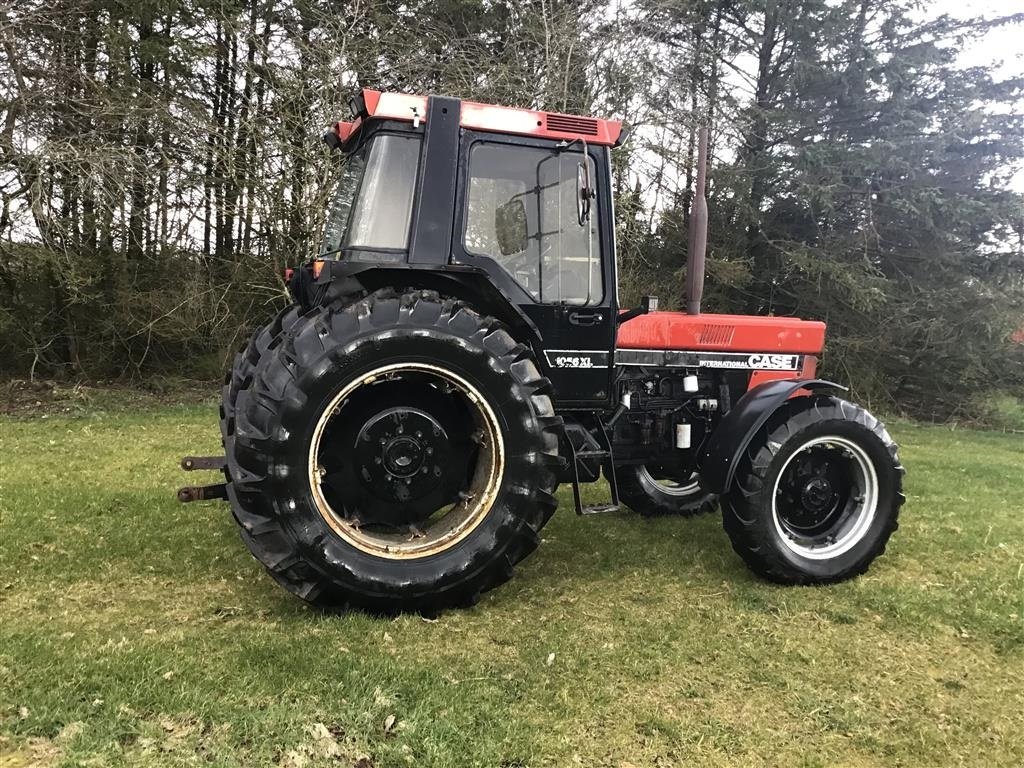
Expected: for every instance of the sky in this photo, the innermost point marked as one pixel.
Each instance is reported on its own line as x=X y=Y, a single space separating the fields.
x=1003 y=47
x=1006 y=44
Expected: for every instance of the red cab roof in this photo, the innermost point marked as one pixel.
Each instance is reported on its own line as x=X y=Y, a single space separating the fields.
x=488 y=117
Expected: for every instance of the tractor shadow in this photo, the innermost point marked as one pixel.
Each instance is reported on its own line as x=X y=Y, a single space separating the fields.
x=613 y=545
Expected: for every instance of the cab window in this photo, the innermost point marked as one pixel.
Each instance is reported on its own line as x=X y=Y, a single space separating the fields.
x=523 y=212
x=372 y=205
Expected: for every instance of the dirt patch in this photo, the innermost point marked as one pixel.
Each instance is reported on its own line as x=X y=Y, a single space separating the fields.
x=32 y=753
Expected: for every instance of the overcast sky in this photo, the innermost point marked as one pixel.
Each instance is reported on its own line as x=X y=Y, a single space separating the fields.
x=1004 y=45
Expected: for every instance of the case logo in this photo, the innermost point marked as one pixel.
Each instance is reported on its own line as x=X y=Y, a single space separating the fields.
x=773 y=362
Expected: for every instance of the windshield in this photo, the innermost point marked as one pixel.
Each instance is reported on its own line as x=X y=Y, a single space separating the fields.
x=372 y=205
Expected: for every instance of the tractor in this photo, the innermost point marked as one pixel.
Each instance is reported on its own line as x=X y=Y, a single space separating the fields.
x=394 y=438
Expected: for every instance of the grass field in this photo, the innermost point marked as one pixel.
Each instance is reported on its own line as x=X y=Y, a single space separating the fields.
x=137 y=631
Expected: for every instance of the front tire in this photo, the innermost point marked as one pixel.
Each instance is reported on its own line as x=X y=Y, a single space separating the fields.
x=649 y=496
x=337 y=486
x=816 y=494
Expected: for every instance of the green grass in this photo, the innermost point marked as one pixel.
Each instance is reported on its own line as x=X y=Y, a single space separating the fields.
x=137 y=631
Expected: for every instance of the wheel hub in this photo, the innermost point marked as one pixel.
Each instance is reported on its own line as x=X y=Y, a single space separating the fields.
x=400 y=453
x=403 y=456
x=817 y=495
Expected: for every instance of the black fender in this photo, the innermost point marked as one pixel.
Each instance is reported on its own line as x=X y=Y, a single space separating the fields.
x=344 y=277
x=722 y=451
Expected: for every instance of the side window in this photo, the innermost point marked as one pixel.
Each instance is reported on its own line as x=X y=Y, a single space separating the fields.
x=521 y=211
x=372 y=207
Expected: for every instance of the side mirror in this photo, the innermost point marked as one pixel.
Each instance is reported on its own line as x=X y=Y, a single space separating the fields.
x=510 y=227
x=584 y=190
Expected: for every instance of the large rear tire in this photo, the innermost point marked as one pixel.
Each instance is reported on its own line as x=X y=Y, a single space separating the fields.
x=395 y=454
x=244 y=366
x=651 y=496
x=817 y=493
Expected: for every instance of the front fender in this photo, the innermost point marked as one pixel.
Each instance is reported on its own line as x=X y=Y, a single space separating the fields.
x=722 y=451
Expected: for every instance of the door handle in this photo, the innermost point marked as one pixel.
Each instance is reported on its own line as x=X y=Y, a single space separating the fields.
x=585 y=318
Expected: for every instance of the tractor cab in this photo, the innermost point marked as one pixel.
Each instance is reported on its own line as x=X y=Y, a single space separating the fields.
x=513 y=203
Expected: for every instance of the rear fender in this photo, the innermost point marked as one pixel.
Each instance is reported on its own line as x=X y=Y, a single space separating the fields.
x=722 y=451
x=338 y=279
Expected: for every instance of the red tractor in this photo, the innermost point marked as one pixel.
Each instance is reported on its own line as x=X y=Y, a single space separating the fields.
x=394 y=439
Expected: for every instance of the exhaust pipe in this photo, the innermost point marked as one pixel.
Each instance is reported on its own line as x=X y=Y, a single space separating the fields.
x=698 y=244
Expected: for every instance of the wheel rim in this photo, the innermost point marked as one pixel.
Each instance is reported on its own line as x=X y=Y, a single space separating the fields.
x=671 y=487
x=825 y=497
x=406 y=460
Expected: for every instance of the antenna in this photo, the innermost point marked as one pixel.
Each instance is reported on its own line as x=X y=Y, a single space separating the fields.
x=698 y=244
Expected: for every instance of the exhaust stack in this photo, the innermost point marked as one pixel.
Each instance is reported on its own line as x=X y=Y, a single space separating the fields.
x=698 y=244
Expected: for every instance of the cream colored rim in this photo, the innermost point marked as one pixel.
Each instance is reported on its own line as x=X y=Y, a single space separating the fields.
x=456 y=523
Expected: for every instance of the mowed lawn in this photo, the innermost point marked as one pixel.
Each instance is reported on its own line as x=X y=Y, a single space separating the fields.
x=138 y=631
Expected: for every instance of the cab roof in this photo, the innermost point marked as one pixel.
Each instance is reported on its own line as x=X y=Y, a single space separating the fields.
x=377 y=105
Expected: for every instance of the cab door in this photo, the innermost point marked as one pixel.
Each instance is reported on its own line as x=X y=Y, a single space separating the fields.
x=538 y=219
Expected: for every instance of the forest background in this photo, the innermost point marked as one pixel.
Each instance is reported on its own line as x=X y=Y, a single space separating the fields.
x=161 y=163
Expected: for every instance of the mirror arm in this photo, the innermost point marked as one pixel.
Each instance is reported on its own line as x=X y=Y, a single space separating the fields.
x=647 y=304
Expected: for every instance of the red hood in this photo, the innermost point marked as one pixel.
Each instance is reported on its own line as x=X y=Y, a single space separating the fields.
x=723 y=333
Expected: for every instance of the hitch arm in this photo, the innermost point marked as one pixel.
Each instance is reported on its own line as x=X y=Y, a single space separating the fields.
x=192 y=463
x=202 y=492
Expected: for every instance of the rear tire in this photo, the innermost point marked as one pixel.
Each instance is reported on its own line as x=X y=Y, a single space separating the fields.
x=649 y=497
x=244 y=366
x=326 y=552
x=816 y=494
